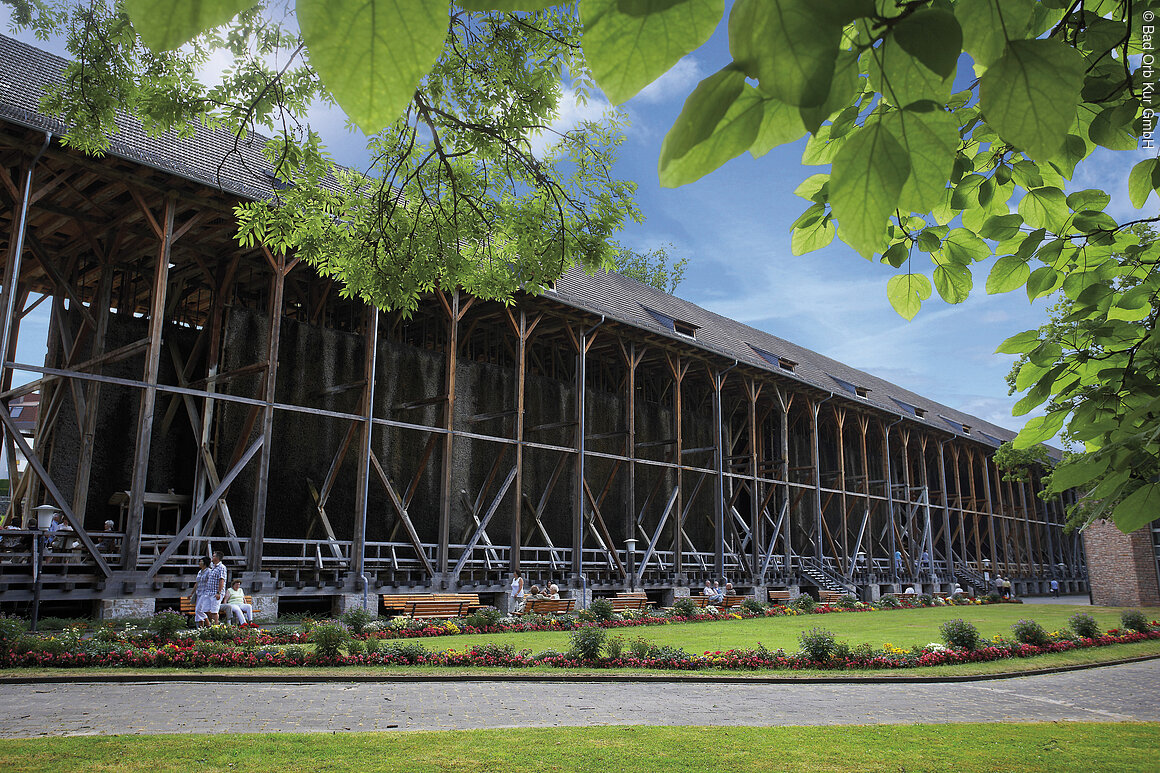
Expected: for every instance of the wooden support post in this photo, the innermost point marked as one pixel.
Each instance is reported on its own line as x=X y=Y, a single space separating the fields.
x=103 y=302
x=131 y=544
x=994 y=556
x=678 y=372
x=787 y=528
x=362 y=490
x=584 y=342
x=523 y=332
x=815 y=460
x=262 y=483
x=948 y=540
x=719 y=470
x=752 y=392
x=454 y=314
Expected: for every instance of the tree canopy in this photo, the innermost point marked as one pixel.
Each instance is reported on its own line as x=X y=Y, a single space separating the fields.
x=933 y=167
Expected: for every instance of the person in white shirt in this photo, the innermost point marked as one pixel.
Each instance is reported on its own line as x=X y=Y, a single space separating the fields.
x=234 y=604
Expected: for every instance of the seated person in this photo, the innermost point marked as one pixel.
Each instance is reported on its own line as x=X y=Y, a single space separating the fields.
x=718 y=594
x=729 y=589
x=708 y=589
x=536 y=594
x=554 y=592
x=107 y=544
x=234 y=605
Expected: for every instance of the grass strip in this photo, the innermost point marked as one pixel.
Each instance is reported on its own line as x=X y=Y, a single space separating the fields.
x=1091 y=747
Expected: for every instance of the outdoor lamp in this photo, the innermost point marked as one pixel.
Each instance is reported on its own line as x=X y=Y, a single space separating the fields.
x=44 y=516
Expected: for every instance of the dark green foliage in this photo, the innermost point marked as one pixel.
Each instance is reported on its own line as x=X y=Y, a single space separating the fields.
x=1135 y=620
x=11 y=629
x=484 y=617
x=960 y=634
x=614 y=646
x=817 y=644
x=601 y=609
x=1084 y=625
x=1030 y=632
x=357 y=619
x=587 y=642
x=804 y=602
x=753 y=606
x=683 y=607
x=167 y=624
x=329 y=639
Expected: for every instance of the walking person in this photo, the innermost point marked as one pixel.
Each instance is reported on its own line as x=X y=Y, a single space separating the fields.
x=201 y=597
x=1055 y=588
x=516 y=593
x=216 y=580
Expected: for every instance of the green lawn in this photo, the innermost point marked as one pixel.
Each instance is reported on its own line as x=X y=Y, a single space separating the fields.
x=966 y=748
x=901 y=627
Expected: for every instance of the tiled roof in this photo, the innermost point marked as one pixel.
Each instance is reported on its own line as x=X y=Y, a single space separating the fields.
x=626 y=300
x=25 y=70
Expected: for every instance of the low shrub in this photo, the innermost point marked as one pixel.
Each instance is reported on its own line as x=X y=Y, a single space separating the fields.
x=683 y=607
x=993 y=598
x=1135 y=620
x=960 y=634
x=817 y=644
x=216 y=633
x=329 y=639
x=849 y=601
x=166 y=625
x=1084 y=625
x=11 y=629
x=208 y=648
x=357 y=619
x=484 y=617
x=295 y=652
x=587 y=642
x=640 y=647
x=601 y=610
x=61 y=623
x=804 y=603
x=283 y=631
x=889 y=601
x=1030 y=632
x=752 y=606
x=372 y=645
x=614 y=646
x=106 y=633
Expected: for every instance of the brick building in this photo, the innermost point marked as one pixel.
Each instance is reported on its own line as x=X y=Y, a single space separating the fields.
x=1123 y=569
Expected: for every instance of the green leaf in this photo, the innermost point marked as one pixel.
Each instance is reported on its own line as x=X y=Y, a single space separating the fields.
x=953 y=282
x=902 y=79
x=1112 y=128
x=843 y=87
x=984 y=23
x=1019 y=343
x=780 y=124
x=867 y=178
x=1090 y=221
x=168 y=24
x=1040 y=429
x=930 y=140
x=630 y=45
x=372 y=55
x=790 y=46
x=1044 y=208
x=964 y=247
x=896 y=254
x=1030 y=94
x=933 y=37
x=812 y=188
x=719 y=121
x=1001 y=227
x=907 y=292
x=1092 y=198
x=506 y=5
x=1008 y=273
x=1043 y=281
x=1140 y=182
x=1138 y=509
x=1077 y=471
x=812 y=237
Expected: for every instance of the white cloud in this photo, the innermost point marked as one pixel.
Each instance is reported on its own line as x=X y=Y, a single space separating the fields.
x=570 y=113
x=676 y=83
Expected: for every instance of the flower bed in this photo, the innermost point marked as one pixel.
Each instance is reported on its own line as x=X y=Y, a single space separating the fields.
x=401 y=654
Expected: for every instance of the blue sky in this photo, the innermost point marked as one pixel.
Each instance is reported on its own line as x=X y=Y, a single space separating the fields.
x=734 y=226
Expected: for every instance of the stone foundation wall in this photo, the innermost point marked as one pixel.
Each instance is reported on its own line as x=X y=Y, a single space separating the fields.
x=1121 y=567
x=113 y=609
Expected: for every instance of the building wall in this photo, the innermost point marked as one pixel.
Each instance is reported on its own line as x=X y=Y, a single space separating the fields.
x=1121 y=567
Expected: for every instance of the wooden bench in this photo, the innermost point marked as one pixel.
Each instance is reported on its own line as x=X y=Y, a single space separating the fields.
x=706 y=601
x=187 y=606
x=548 y=606
x=781 y=597
x=438 y=605
x=830 y=596
x=625 y=602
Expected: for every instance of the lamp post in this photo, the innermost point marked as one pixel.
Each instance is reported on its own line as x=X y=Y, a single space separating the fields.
x=630 y=548
x=44 y=516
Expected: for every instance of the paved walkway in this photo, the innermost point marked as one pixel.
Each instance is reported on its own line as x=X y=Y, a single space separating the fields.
x=1114 y=693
